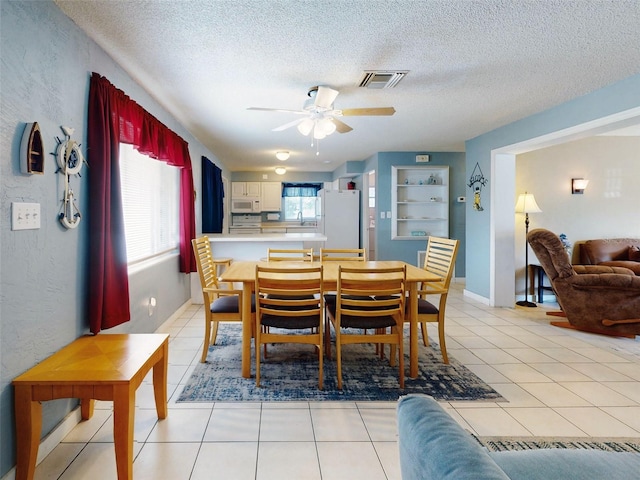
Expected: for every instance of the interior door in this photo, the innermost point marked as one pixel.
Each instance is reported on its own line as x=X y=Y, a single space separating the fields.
x=226 y=205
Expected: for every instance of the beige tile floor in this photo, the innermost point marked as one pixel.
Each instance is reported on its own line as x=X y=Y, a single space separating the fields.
x=557 y=382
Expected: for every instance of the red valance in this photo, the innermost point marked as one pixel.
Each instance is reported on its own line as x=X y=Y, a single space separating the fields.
x=113 y=119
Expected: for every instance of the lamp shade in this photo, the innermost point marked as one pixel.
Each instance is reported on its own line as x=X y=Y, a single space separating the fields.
x=527 y=204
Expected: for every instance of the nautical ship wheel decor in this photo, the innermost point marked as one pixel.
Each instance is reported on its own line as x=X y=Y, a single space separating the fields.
x=70 y=160
x=32 y=150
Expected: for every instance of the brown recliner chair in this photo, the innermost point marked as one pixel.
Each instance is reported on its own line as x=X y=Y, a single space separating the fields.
x=594 y=298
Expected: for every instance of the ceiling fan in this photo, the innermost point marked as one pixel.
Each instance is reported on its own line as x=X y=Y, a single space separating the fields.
x=320 y=115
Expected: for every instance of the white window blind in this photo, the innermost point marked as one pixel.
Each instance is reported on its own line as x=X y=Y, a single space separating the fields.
x=150 y=201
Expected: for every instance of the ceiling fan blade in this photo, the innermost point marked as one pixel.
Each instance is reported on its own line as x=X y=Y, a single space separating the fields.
x=297 y=112
x=325 y=97
x=341 y=127
x=352 y=112
x=288 y=125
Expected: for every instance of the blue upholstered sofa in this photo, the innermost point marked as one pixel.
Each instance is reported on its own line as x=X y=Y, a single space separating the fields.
x=433 y=446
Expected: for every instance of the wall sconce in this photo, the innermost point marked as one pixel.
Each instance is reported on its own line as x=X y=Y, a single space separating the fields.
x=578 y=185
x=281 y=170
x=282 y=156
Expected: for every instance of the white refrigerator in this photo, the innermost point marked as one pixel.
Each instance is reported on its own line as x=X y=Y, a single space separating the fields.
x=339 y=217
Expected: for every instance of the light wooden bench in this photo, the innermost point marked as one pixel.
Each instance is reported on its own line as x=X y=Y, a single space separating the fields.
x=93 y=367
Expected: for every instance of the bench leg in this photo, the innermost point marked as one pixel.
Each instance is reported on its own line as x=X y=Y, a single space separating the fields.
x=124 y=399
x=28 y=429
x=160 y=382
x=86 y=408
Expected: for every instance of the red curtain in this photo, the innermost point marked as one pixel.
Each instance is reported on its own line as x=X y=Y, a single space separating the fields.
x=113 y=119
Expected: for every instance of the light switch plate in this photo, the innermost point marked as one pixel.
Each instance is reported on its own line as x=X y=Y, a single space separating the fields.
x=25 y=216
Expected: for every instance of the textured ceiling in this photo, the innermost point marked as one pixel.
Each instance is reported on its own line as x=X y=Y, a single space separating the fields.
x=473 y=66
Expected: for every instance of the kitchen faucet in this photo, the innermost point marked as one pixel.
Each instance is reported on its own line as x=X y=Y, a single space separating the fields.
x=300 y=217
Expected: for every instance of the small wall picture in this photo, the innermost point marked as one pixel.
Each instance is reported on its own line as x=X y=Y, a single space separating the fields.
x=476 y=182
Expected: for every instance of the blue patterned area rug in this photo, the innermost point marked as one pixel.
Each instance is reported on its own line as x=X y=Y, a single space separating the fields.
x=290 y=373
x=501 y=444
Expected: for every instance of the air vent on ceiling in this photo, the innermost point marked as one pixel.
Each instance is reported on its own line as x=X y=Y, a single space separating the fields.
x=381 y=78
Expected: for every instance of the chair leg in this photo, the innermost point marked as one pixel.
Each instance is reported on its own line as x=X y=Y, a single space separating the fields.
x=320 y=366
x=425 y=336
x=214 y=333
x=443 y=346
x=401 y=362
x=207 y=334
x=258 y=356
x=327 y=338
x=339 y=361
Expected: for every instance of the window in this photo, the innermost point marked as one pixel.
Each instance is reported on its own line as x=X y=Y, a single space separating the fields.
x=150 y=200
x=300 y=200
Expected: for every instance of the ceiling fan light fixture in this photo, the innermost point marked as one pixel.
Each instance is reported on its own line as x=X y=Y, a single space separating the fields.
x=318 y=133
x=281 y=170
x=306 y=126
x=282 y=156
x=326 y=125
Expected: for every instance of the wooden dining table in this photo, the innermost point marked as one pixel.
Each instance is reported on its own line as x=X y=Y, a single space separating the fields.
x=245 y=272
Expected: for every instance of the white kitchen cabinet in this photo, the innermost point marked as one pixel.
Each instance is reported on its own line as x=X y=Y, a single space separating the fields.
x=419 y=202
x=245 y=189
x=271 y=200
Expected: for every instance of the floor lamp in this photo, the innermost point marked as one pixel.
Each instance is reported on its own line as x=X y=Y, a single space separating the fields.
x=526 y=204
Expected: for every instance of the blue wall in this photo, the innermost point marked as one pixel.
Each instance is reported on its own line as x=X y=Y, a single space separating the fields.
x=46 y=64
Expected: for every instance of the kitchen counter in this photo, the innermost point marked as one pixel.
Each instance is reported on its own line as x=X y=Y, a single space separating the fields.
x=254 y=246
x=268 y=238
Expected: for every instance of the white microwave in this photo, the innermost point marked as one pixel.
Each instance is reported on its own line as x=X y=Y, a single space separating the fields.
x=245 y=205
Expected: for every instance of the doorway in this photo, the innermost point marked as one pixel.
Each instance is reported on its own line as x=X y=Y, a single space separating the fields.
x=369 y=214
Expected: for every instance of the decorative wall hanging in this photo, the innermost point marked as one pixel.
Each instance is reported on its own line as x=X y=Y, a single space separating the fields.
x=70 y=160
x=32 y=150
x=476 y=182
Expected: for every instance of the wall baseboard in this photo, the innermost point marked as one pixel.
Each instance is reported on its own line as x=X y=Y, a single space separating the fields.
x=476 y=297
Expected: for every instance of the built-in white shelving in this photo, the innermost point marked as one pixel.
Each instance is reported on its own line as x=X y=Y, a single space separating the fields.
x=419 y=202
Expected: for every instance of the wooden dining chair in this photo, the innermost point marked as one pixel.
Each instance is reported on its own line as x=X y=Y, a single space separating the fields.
x=290 y=255
x=369 y=300
x=220 y=304
x=289 y=309
x=440 y=259
x=343 y=255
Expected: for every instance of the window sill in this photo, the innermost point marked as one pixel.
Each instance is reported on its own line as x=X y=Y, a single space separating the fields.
x=142 y=265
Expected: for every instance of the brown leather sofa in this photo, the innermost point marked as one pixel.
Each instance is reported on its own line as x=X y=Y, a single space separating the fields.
x=594 y=298
x=614 y=252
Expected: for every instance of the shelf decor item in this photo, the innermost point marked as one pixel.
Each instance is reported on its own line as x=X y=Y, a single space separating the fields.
x=32 y=150
x=70 y=160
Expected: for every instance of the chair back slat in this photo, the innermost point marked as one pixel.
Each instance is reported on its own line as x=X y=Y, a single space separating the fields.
x=290 y=254
x=343 y=255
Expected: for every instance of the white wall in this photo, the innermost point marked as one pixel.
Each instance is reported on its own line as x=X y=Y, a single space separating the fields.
x=609 y=207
